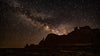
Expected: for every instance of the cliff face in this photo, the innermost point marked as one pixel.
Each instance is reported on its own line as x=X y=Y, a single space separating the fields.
x=82 y=36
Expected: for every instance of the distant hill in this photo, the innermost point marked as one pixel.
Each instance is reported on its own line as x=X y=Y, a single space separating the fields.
x=81 y=36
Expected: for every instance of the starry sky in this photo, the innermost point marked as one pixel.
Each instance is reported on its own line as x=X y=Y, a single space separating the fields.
x=28 y=21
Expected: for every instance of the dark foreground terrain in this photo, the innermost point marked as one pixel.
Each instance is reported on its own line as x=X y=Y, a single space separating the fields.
x=83 y=41
x=44 y=52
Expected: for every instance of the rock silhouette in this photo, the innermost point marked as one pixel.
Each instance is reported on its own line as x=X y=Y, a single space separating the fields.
x=84 y=37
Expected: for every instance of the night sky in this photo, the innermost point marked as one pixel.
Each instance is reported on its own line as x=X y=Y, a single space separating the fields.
x=28 y=21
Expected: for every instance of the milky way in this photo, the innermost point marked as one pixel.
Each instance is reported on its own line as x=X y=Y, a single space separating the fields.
x=29 y=21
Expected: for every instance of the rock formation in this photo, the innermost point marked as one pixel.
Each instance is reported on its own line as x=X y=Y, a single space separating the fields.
x=81 y=36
